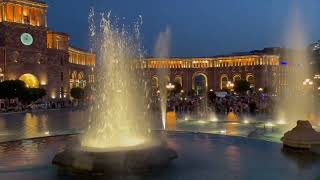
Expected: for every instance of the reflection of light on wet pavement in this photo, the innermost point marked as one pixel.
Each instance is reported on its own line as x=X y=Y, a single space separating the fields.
x=14 y=126
x=31 y=125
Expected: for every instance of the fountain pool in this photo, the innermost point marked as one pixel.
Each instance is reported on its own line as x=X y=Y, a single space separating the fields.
x=201 y=156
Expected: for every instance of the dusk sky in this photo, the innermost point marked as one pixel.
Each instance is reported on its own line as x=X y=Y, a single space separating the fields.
x=199 y=27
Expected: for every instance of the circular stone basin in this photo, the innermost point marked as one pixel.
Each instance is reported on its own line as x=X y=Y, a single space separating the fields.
x=130 y=160
x=302 y=136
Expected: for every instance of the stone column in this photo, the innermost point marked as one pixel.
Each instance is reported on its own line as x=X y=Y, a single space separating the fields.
x=29 y=15
x=1 y=14
x=14 y=12
x=45 y=18
x=5 y=12
x=22 y=19
x=40 y=17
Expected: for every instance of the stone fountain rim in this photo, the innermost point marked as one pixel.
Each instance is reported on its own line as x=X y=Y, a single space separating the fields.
x=146 y=145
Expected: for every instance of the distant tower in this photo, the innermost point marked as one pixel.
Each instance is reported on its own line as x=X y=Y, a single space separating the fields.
x=23 y=40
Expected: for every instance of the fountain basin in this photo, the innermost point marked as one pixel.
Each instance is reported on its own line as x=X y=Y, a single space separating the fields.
x=133 y=160
x=303 y=136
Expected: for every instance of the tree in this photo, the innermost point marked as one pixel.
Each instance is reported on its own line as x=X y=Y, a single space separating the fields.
x=177 y=88
x=33 y=94
x=241 y=86
x=77 y=93
x=12 y=89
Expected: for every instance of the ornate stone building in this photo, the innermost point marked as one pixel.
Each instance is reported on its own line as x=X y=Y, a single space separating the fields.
x=31 y=52
x=203 y=74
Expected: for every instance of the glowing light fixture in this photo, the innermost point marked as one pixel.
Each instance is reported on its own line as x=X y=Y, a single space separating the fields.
x=170 y=86
x=223 y=132
x=214 y=119
x=269 y=124
x=202 y=122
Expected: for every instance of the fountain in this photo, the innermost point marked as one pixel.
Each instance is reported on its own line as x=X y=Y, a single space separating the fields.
x=297 y=103
x=162 y=51
x=303 y=136
x=117 y=140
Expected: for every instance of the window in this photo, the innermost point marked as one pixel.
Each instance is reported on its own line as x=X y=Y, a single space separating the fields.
x=223 y=81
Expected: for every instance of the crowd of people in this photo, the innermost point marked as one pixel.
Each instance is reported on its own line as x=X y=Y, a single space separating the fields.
x=200 y=105
x=14 y=105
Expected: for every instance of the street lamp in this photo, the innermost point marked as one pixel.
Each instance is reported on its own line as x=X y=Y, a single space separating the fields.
x=170 y=86
x=317 y=76
x=307 y=82
x=230 y=85
x=260 y=89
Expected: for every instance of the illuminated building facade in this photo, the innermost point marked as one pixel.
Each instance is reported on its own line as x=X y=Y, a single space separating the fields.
x=31 y=52
x=203 y=74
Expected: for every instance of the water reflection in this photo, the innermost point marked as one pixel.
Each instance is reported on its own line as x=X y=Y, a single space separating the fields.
x=304 y=159
x=201 y=156
x=29 y=125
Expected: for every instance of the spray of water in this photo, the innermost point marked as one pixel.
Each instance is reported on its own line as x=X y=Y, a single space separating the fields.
x=118 y=114
x=296 y=102
x=162 y=48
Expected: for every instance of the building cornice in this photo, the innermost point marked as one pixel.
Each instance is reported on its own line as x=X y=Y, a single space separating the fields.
x=33 y=3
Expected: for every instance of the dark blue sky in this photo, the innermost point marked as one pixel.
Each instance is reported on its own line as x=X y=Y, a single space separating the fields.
x=199 y=27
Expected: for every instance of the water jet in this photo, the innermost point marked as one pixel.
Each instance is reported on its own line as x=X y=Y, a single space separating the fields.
x=117 y=140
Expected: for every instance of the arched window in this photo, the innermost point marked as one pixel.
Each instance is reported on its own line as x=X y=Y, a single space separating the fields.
x=200 y=83
x=155 y=82
x=178 y=79
x=250 y=78
x=82 y=81
x=236 y=78
x=30 y=80
x=223 y=81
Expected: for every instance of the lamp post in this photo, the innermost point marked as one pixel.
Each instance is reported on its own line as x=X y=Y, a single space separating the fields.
x=170 y=86
x=230 y=85
x=308 y=82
